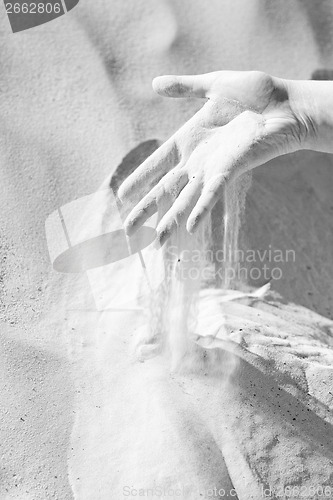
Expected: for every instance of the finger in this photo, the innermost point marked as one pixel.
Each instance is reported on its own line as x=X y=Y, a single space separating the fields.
x=183 y=86
x=169 y=186
x=150 y=171
x=239 y=157
x=178 y=212
x=208 y=198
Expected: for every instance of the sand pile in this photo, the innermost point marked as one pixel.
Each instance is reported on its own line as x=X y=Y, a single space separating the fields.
x=252 y=410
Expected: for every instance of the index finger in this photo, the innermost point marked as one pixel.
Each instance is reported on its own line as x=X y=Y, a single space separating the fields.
x=150 y=171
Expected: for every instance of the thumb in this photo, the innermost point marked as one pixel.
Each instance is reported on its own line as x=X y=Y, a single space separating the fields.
x=182 y=86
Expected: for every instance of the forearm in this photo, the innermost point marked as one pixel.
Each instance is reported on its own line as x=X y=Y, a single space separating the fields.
x=312 y=102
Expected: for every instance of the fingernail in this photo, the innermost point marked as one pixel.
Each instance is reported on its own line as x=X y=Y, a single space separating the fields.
x=162 y=237
x=191 y=228
x=129 y=228
x=156 y=243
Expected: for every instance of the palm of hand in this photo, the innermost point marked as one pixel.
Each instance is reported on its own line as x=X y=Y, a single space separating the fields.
x=246 y=121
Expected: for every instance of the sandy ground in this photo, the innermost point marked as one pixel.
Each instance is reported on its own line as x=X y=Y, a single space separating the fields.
x=81 y=417
x=254 y=411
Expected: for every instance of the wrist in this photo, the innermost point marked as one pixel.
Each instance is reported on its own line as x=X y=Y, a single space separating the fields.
x=312 y=104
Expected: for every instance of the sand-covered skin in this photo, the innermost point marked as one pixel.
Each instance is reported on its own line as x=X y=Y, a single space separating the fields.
x=75 y=98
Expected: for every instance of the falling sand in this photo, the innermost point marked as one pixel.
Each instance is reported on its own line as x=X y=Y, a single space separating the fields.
x=194 y=267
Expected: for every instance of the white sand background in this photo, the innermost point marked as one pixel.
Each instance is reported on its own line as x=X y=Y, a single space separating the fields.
x=80 y=416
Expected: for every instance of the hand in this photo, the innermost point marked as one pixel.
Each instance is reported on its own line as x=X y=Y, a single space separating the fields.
x=248 y=119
